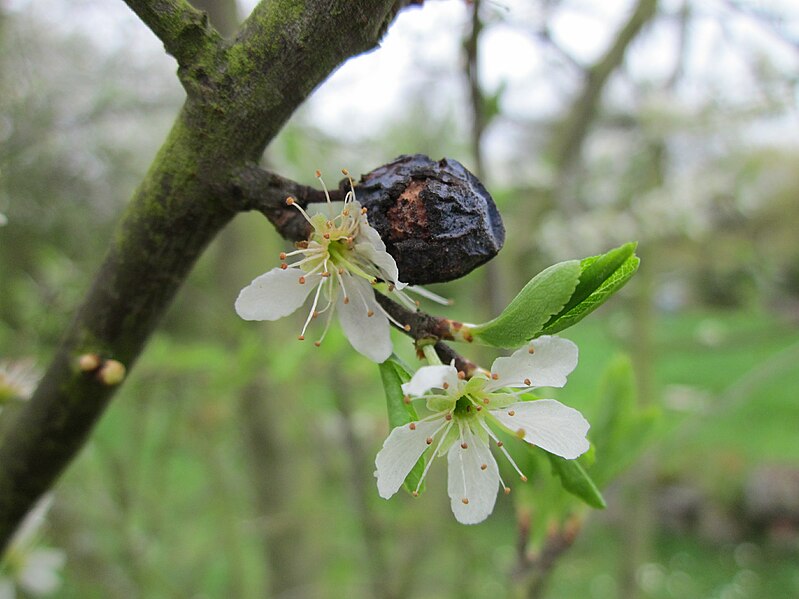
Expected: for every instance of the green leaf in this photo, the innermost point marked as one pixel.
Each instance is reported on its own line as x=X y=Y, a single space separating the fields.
x=600 y=277
x=393 y=373
x=623 y=428
x=576 y=481
x=545 y=295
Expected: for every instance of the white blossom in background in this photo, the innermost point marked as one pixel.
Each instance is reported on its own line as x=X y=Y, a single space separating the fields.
x=466 y=414
x=30 y=569
x=18 y=380
x=342 y=262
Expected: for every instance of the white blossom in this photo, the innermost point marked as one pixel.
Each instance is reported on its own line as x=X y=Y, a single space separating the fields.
x=465 y=414
x=341 y=264
x=28 y=566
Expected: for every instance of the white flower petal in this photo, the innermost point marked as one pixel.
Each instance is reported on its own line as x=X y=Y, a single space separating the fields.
x=472 y=489
x=329 y=210
x=401 y=450
x=549 y=424
x=275 y=294
x=39 y=575
x=431 y=377
x=548 y=366
x=369 y=335
x=384 y=261
x=367 y=233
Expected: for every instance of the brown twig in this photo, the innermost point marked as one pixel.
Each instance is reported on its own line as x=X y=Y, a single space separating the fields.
x=427 y=329
x=534 y=570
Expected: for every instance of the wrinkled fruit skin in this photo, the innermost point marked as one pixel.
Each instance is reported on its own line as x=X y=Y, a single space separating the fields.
x=436 y=219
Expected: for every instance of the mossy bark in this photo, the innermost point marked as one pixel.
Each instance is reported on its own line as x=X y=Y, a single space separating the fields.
x=239 y=95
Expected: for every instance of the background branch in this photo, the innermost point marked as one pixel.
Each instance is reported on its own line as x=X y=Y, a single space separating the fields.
x=575 y=127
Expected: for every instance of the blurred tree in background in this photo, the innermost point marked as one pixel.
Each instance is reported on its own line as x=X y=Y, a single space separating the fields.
x=591 y=124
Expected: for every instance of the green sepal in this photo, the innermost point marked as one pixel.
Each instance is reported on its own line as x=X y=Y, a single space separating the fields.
x=524 y=318
x=393 y=372
x=600 y=277
x=576 y=481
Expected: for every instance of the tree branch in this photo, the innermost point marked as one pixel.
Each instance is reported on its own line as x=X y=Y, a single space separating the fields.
x=246 y=95
x=576 y=125
x=184 y=30
x=254 y=188
x=427 y=328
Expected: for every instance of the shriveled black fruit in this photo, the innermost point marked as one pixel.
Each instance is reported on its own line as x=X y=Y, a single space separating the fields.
x=436 y=219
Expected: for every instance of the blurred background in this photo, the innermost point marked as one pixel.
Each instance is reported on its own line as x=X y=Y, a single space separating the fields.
x=237 y=463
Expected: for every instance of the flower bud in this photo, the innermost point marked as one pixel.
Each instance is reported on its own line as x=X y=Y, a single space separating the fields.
x=111 y=373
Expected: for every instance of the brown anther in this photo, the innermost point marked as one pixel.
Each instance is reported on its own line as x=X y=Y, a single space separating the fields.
x=326 y=235
x=483 y=466
x=507 y=490
x=500 y=444
x=448 y=416
x=364 y=210
x=520 y=433
x=465 y=501
x=318 y=174
x=415 y=493
x=527 y=382
x=290 y=200
x=373 y=281
x=315 y=314
x=464 y=445
x=406 y=399
x=445 y=385
x=417 y=302
x=345 y=172
x=301 y=280
x=494 y=376
x=301 y=245
x=467 y=337
x=407 y=327
x=531 y=350
x=370 y=313
x=456 y=325
x=412 y=426
x=341 y=271
x=301 y=337
x=284 y=266
x=317 y=343
x=346 y=299
x=511 y=413
x=461 y=375
x=524 y=478
x=282 y=255
x=429 y=440
x=486 y=401
x=325 y=274
x=478 y=408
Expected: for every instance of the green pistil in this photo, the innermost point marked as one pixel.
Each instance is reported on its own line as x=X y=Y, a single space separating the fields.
x=465 y=407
